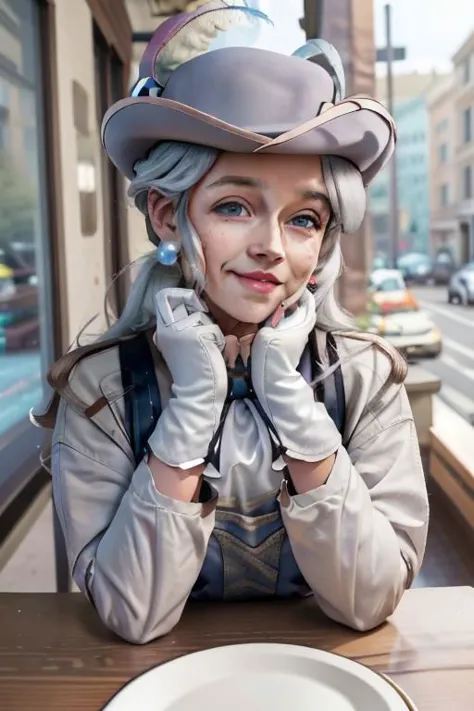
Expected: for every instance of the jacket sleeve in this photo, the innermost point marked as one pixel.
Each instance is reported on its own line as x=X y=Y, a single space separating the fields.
x=359 y=540
x=134 y=552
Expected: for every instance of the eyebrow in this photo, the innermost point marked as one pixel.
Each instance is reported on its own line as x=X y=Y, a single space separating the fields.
x=244 y=181
x=240 y=180
x=315 y=195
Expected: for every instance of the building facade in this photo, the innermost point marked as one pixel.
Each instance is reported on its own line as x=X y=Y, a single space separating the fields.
x=444 y=226
x=464 y=146
x=413 y=160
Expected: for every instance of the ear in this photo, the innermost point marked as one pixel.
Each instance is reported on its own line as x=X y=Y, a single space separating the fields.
x=162 y=216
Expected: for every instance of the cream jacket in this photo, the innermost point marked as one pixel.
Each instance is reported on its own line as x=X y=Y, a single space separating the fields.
x=355 y=543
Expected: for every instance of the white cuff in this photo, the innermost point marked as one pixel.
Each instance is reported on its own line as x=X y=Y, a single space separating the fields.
x=334 y=486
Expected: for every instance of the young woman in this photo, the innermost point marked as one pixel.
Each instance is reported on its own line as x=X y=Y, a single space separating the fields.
x=231 y=436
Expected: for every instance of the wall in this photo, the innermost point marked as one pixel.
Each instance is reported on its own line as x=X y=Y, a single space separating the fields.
x=442 y=118
x=84 y=256
x=464 y=99
x=138 y=242
x=413 y=171
x=412 y=156
x=349 y=26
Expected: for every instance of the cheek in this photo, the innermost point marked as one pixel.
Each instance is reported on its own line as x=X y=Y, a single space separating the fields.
x=217 y=247
x=205 y=234
x=303 y=257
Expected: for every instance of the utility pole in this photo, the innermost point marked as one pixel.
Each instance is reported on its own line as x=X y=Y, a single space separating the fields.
x=393 y=212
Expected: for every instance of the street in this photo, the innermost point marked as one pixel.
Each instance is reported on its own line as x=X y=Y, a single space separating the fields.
x=455 y=365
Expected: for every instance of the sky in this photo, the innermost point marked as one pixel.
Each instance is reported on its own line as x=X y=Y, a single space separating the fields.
x=430 y=30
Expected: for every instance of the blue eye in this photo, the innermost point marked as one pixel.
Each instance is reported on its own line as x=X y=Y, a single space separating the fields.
x=231 y=209
x=306 y=221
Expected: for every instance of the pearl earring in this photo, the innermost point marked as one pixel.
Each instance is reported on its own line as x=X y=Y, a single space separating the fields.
x=167 y=253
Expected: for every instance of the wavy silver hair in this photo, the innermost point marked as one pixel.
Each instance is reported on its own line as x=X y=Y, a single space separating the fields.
x=173 y=169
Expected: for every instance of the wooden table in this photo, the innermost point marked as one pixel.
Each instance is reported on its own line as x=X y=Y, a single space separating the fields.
x=55 y=654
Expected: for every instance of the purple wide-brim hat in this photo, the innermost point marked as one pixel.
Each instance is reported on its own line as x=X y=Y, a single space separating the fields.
x=244 y=100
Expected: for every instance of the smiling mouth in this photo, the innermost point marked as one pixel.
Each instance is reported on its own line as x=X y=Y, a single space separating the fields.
x=260 y=276
x=256 y=283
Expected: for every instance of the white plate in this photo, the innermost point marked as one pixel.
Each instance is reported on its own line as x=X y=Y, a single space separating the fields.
x=258 y=677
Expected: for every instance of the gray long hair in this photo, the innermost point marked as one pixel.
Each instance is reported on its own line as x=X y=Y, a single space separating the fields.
x=173 y=169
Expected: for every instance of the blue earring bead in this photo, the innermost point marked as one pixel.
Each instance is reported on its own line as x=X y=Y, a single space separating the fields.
x=167 y=253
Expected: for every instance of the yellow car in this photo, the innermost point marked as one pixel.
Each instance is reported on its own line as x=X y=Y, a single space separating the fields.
x=413 y=333
x=388 y=292
x=7 y=284
x=395 y=315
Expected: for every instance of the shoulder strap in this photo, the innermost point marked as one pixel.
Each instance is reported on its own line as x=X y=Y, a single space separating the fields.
x=142 y=395
x=335 y=393
x=330 y=390
x=141 y=392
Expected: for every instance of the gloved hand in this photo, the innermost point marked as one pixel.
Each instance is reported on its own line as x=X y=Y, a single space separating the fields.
x=303 y=425
x=191 y=344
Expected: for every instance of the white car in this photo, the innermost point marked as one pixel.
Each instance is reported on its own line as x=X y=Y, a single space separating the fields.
x=411 y=332
x=386 y=281
x=461 y=285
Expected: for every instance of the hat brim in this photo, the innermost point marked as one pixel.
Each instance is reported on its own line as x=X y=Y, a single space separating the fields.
x=363 y=133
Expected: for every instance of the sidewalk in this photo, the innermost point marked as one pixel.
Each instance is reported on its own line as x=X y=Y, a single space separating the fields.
x=31 y=568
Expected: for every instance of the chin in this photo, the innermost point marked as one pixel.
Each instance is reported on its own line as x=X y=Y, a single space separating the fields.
x=251 y=313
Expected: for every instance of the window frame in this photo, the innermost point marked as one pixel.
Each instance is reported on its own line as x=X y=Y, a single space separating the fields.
x=444 y=197
x=467 y=70
x=467 y=125
x=20 y=446
x=467 y=171
x=443 y=153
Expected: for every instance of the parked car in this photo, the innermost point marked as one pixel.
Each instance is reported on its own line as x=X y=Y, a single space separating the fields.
x=7 y=284
x=461 y=285
x=412 y=332
x=395 y=315
x=380 y=261
x=21 y=258
x=19 y=322
x=415 y=267
x=443 y=268
x=388 y=292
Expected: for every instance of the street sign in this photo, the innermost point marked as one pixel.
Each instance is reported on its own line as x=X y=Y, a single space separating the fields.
x=398 y=54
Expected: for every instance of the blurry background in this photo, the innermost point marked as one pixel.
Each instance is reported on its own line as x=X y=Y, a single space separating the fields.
x=66 y=227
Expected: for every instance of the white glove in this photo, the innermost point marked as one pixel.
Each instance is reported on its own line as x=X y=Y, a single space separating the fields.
x=192 y=345
x=303 y=425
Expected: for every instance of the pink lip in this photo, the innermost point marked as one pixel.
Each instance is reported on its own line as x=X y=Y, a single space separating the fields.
x=256 y=285
x=261 y=276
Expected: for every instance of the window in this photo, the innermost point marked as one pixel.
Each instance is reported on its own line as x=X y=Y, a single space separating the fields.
x=467 y=182
x=443 y=153
x=467 y=71
x=444 y=195
x=442 y=125
x=467 y=125
x=380 y=224
x=390 y=284
x=25 y=317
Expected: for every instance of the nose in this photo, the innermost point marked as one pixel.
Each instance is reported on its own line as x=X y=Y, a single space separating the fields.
x=266 y=244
